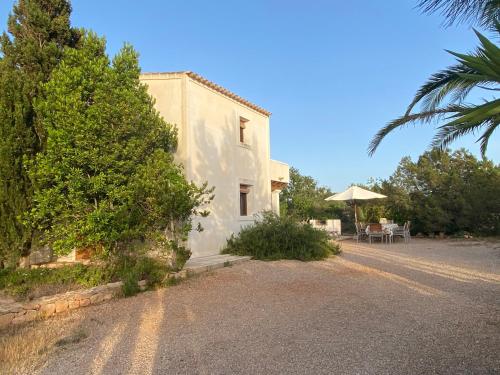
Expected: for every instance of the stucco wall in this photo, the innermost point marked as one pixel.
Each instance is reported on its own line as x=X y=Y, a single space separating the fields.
x=218 y=157
x=170 y=103
x=210 y=150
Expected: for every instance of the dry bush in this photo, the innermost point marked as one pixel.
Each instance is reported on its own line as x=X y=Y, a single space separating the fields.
x=24 y=348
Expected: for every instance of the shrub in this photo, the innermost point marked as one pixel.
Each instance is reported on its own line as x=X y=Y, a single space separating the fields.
x=23 y=283
x=131 y=270
x=281 y=238
x=107 y=175
x=27 y=283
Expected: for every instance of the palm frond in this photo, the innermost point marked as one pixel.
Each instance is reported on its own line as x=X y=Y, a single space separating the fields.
x=466 y=120
x=480 y=69
x=405 y=120
x=481 y=12
x=484 y=139
x=440 y=85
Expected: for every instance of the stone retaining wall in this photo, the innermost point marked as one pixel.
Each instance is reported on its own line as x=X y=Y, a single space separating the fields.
x=40 y=308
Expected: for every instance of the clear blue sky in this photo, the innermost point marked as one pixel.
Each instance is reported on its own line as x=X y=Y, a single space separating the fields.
x=331 y=72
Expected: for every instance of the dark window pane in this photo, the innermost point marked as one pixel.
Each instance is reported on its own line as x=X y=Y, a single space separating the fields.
x=243 y=204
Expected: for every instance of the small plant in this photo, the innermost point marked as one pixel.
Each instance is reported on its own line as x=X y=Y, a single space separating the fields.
x=75 y=337
x=227 y=263
x=277 y=237
x=171 y=281
x=32 y=283
x=132 y=269
x=27 y=283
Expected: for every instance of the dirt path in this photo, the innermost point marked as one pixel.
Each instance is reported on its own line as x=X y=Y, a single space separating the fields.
x=426 y=308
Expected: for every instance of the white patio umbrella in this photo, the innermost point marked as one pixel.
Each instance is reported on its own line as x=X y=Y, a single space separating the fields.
x=353 y=194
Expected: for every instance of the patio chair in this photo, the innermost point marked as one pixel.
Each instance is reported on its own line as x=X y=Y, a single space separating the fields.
x=360 y=232
x=408 y=235
x=403 y=232
x=388 y=234
x=376 y=231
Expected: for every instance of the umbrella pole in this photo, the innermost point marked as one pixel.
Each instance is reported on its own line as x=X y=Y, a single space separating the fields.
x=355 y=213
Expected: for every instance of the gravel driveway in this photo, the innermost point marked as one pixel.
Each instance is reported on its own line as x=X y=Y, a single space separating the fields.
x=431 y=307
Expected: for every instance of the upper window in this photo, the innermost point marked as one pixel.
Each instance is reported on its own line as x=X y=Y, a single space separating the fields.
x=243 y=125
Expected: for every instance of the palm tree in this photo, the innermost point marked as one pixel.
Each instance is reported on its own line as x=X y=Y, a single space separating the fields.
x=483 y=13
x=477 y=70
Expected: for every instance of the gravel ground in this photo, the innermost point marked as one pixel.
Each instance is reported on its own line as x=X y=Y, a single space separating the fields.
x=431 y=307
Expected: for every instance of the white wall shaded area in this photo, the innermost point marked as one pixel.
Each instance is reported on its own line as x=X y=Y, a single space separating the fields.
x=208 y=122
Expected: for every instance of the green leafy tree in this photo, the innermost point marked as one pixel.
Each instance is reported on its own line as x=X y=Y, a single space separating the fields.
x=479 y=71
x=38 y=31
x=301 y=197
x=107 y=174
x=444 y=192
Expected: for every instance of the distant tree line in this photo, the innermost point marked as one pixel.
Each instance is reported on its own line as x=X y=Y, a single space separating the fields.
x=443 y=191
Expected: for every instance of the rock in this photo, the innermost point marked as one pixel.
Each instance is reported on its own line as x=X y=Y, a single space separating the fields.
x=181 y=274
x=11 y=308
x=61 y=306
x=74 y=304
x=143 y=284
x=84 y=302
x=48 y=309
x=32 y=306
x=24 y=262
x=96 y=298
x=116 y=285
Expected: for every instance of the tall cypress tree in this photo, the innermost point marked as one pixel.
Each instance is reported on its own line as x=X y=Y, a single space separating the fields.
x=38 y=31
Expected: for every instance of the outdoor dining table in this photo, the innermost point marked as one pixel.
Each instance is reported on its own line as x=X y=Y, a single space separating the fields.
x=388 y=228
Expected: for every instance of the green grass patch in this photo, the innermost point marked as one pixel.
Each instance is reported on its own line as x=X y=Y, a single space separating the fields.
x=29 y=283
x=33 y=283
x=281 y=238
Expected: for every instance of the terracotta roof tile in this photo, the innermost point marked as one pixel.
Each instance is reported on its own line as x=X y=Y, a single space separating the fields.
x=217 y=88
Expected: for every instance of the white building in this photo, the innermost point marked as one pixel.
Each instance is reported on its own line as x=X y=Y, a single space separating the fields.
x=224 y=140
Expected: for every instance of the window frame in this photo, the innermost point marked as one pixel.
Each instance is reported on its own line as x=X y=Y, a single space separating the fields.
x=244 y=193
x=241 y=128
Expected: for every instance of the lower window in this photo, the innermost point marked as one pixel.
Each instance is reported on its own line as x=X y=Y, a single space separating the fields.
x=244 y=191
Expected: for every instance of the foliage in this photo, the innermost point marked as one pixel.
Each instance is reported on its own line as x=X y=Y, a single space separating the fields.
x=106 y=176
x=443 y=192
x=483 y=12
x=132 y=269
x=129 y=269
x=300 y=195
x=277 y=237
x=478 y=71
x=303 y=200
x=39 y=30
x=20 y=282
